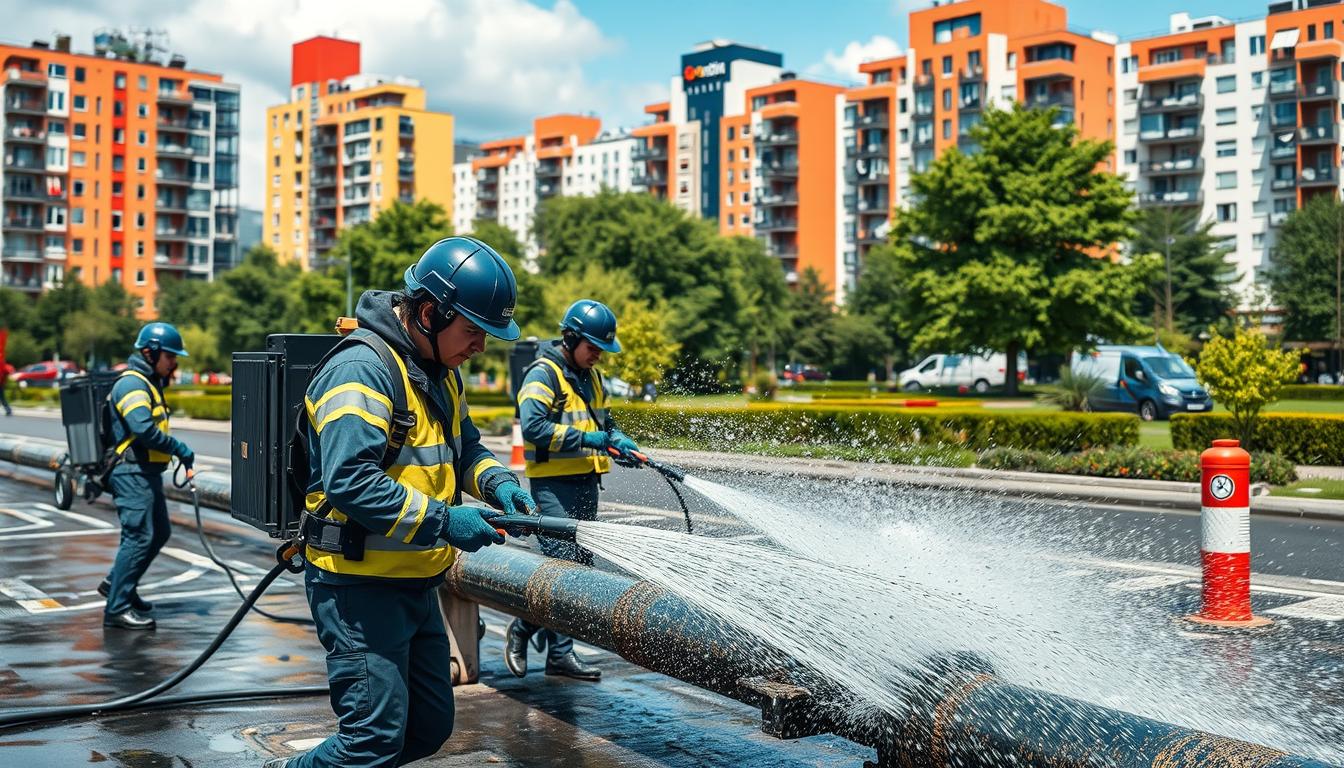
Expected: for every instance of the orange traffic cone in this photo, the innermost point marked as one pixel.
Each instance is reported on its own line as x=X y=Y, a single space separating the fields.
x=517 y=461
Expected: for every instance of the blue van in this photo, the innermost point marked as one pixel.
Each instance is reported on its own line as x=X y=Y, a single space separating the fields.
x=1149 y=381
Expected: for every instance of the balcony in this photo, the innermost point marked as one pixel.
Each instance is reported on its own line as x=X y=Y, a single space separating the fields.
x=923 y=109
x=1173 y=135
x=25 y=77
x=1284 y=119
x=21 y=254
x=1047 y=100
x=873 y=179
x=1170 y=167
x=880 y=204
x=19 y=105
x=1318 y=177
x=168 y=149
x=174 y=96
x=780 y=138
x=970 y=74
x=550 y=169
x=357 y=197
x=875 y=120
x=923 y=139
x=320 y=180
x=545 y=190
x=1282 y=89
x=324 y=201
x=1317 y=91
x=971 y=105
x=176 y=125
x=23 y=223
x=28 y=284
x=871 y=149
x=1318 y=134
x=167 y=177
x=170 y=234
x=1284 y=150
x=165 y=262
x=485 y=193
x=1186 y=101
x=789 y=198
x=776 y=224
x=1278 y=217
x=170 y=205
x=324 y=221
x=1175 y=198
x=645 y=153
x=1283 y=184
x=869 y=235
x=32 y=192
x=779 y=168
x=25 y=134
x=325 y=139
x=647 y=179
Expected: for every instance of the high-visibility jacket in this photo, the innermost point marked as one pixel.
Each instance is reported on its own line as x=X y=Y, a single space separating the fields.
x=349 y=409
x=140 y=422
x=552 y=442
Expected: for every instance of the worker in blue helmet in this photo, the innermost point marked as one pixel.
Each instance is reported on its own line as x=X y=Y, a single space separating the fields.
x=568 y=435
x=143 y=446
x=384 y=517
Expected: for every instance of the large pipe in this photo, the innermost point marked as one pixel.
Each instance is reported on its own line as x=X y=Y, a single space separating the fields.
x=960 y=714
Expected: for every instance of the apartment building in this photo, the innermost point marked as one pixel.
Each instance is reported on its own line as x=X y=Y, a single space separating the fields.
x=563 y=155
x=346 y=146
x=118 y=165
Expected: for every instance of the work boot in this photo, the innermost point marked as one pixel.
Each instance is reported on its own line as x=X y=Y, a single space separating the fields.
x=137 y=602
x=128 y=619
x=515 y=648
x=570 y=665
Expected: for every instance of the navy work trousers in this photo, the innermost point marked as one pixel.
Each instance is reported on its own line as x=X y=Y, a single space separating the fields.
x=573 y=496
x=143 y=509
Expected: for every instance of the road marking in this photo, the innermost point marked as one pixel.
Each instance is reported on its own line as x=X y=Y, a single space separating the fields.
x=193 y=559
x=34 y=522
x=303 y=745
x=54 y=534
x=636 y=519
x=30 y=598
x=1079 y=572
x=1143 y=583
x=92 y=522
x=1320 y=608
x=161 y=596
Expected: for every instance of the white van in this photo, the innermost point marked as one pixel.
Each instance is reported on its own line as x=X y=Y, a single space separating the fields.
x=977 y=371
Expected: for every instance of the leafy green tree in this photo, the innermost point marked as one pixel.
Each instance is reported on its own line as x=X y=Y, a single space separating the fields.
x=21 y=349
x=185 y=302
x=380 y=250
x=16 y=310
x=812 y=316
x=1005 y=249
x=765 y=319
x=1303 y=273
x=507 y=244
x=1244 y=374
x=1200 y=278
x=105 y=329
x=879 y=295
x=203 y=344
x=858 y=344
x=54 y=309
x=646 y=350
x=253 y=300
x=613 y=287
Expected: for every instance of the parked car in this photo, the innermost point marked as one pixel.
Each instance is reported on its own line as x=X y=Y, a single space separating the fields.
x=47 y=373
x=977 y=371
x=1149 y=381
x=797 y=372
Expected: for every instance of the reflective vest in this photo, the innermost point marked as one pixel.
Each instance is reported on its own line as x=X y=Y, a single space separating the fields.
x=426 y=466
x=158 y=413
x=573 y=414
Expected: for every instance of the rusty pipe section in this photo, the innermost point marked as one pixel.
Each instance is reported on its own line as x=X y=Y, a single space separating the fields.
x=959 y=713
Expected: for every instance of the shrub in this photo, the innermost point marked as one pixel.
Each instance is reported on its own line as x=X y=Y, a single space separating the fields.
x=765 y=385
x=721 y=427
x=1133 y=462
x=1312 y=392
x=1306 y=438
x=1073 y=391
x=1244 y=374
x=199 y=406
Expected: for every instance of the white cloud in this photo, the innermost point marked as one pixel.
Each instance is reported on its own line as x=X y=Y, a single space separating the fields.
x=495 y=64
x=845 y=64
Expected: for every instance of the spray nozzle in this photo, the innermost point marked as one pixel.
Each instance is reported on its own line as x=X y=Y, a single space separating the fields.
x=548 y=526
x=640 y=459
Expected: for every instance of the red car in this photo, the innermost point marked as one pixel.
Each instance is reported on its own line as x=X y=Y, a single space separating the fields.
x=45 y=374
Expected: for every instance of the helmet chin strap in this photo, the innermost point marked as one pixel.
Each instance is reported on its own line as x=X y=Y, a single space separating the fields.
x=437 y=324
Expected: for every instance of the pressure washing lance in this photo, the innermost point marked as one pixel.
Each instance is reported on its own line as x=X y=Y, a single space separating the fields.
x=669 y=473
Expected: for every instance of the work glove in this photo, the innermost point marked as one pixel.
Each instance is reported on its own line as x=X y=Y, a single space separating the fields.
x=185 y=455
x=625 y=445
x=469 y=528
x=513 y=499
x=597 y=441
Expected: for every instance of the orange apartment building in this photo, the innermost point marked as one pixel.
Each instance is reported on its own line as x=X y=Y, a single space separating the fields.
x=115 y=168
x=347 y=146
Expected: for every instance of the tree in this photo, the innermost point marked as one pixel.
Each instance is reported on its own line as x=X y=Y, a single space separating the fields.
x=253 y=300
x=1007 y=249
x=1193 y=288
x=203 y=344
x=21 y=349
x=185 y=302
x=765 y=318
x=1245 y=374
x=879 y=296
x=646 y=351
x=53 y=310
x=379 y=251
x=858 y=344
x=1304 y=274
x=105 y=329
x=507 y=244
x=812 y=316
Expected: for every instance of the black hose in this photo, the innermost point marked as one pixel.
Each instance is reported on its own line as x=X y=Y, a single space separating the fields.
x=677 y=492
x=14 y=717
x=210 y=552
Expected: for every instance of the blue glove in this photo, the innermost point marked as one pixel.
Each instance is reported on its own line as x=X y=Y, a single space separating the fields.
x=513 y=499
x=468 y=529
x=185 y=455
x=624 y=444
x=597 y=441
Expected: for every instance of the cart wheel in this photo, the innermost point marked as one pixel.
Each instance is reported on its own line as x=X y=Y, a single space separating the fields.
x=65 y=489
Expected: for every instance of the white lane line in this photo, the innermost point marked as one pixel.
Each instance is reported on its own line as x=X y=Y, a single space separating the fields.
x=91 y=522
x=160 y=596
x=193 y=559
x=1320 y=609
x=1079 y=572
x=635 y=519
x=28 y=597
x=34 y=522
x=1142 y=583
x=53 y=534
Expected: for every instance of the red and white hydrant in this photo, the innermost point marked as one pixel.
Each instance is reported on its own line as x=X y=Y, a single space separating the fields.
x=1225 y=541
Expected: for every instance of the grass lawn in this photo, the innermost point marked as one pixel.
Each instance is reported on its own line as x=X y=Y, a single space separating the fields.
x=1327 y=489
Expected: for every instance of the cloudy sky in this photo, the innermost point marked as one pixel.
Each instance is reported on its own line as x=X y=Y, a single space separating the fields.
x=496 y=64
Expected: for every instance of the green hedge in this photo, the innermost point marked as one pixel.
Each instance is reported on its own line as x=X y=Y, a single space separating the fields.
x=1306 y=438
x=1312 y=392
x=1142 y=463
x=863 y=427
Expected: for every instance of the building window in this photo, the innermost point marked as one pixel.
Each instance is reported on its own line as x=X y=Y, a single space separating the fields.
x=1227 y=84
x=1131 y=156
x=1129 y=64
x=1258 y=79
x=143 y=83
x=140 y=164
x=119 y=136
x=77 y=215
x=1227 y=180
x=947 y=98
x=116 y=221
x=1257 y=45
x=77 y=245
x=947 y=66
x=79 y=131
x=1311 y=32
x=1258 y=240
x=119 y=82
x=142 y=110
x=81 y=103
x=139 y=221
x=1227 y=148
x=139 y=277
x=947 y=129
x=1227 y=212
x=139 y=191
x=77 y=188
x=78 y=159
x=139 y=247
x=141 y=138
x=79 y=74
x=1227 y=115
x=1012 y=60
x=1328 y=29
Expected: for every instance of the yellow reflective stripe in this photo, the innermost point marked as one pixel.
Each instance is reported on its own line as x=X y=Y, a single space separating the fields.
x=536 y=385
x=558 y=435
x=350 y=410
x=481 y=467
x=133 y=407
x=413 y=498
x=141 y=398
x=354 y=386
x=419 y=516
x=547 y=401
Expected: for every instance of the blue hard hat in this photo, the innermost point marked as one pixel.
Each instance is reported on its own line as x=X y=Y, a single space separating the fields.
x=161 y=336
x=595 y=322
x=470 y=277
